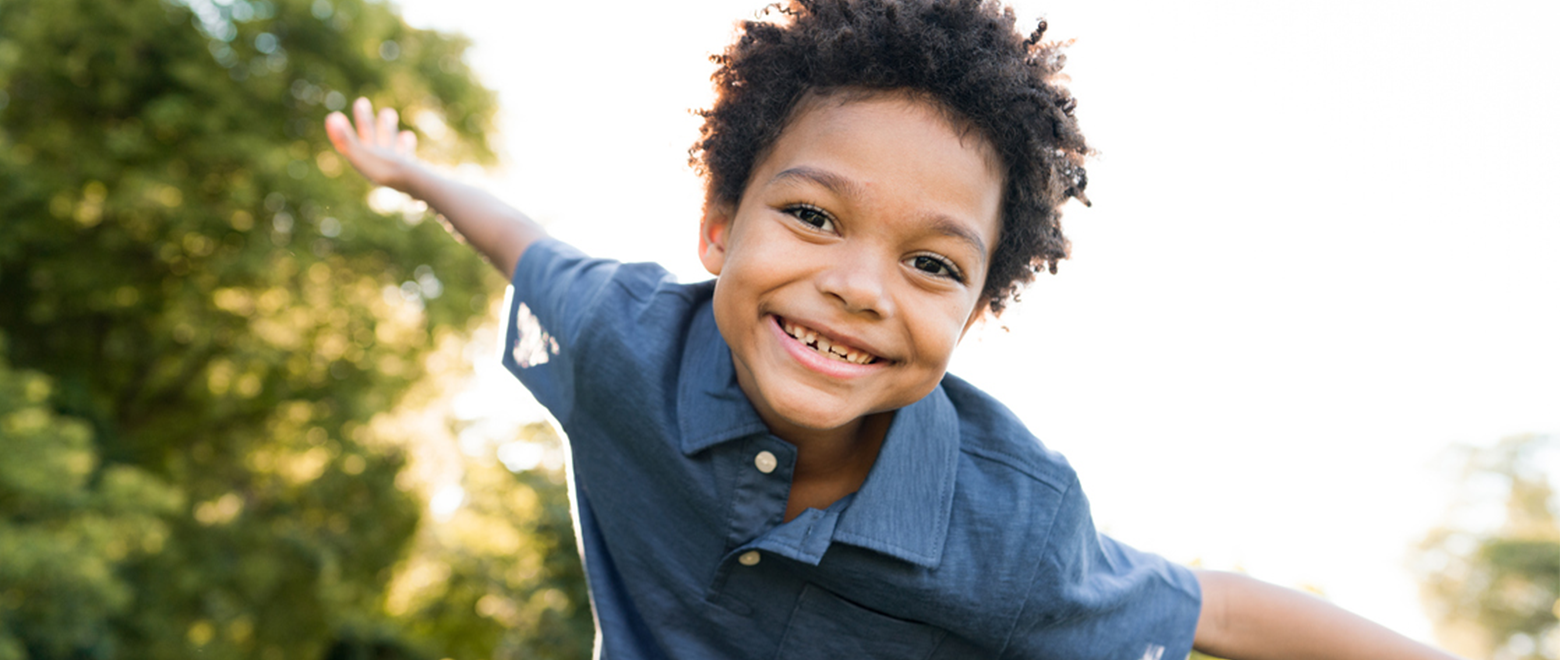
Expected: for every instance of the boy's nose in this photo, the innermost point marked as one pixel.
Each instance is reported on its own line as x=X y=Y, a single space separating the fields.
x=860 y=285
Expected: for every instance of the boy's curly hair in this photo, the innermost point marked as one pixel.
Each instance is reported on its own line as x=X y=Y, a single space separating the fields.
x=965 y=55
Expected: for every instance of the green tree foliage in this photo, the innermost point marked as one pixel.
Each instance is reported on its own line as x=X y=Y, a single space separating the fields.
x=508 y=555
x=205 y=318
x=66 y=527
x=1495 y=593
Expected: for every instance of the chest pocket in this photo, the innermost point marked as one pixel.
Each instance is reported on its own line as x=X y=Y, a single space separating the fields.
x=827 y=626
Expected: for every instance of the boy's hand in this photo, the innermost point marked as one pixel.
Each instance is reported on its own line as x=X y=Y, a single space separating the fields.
x=380 y=152
x=385 y=155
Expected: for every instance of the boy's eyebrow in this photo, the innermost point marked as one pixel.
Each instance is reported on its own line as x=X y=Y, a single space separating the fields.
x=844 y=187
x=837 y=184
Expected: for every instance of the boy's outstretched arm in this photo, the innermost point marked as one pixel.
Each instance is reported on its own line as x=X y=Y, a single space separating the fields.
x=1247 y=619
x=386 y=156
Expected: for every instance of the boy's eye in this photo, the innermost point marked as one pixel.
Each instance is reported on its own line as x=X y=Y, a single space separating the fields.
x=936 y=266
x=812 y=215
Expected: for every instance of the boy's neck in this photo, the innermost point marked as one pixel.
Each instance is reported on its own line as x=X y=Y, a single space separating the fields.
x=832 y=463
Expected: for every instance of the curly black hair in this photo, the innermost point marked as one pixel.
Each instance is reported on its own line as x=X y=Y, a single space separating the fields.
x=964 y=55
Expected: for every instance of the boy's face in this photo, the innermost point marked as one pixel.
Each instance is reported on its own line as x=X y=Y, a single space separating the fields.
x=868 y=228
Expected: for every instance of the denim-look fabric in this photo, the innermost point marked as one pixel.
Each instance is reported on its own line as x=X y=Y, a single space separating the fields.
x=969 y=539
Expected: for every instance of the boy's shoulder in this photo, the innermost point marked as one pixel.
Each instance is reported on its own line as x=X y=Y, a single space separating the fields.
x=578 y=292
x=992 y=434
x=551 y=259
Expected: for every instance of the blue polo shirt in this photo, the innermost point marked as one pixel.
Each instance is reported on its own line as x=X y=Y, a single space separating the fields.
x=968 y=539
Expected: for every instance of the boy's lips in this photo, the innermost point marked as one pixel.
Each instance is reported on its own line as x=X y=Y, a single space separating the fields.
x=825 y=345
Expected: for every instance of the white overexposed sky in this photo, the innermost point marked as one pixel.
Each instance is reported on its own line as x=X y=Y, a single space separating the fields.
x=1324 y=247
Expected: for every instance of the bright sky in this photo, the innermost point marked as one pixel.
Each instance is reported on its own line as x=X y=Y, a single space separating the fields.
x=1324 y=247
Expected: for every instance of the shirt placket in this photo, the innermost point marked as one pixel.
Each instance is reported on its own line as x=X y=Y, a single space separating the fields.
x=762 y=466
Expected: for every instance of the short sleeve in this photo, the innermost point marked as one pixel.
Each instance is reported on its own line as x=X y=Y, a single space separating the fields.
x=555 y=290
x=1095 y=597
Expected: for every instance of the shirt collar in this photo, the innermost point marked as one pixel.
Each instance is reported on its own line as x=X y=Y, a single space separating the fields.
x=711 y=407
x=902 y=509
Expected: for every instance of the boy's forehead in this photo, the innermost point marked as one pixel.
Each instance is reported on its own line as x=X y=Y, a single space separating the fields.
x=894 y=144
x=817 y=102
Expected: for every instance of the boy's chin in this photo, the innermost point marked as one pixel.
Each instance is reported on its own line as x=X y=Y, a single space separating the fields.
x=812 y=415
x=820 y=414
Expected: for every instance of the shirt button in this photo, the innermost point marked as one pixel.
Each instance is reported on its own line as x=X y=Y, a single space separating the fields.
x=749 y=558
x=765 y=462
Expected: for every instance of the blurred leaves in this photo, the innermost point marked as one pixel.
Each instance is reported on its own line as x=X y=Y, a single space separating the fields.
x=1496 y=592
x=506 y=555
x=205 y=319
x=65 y=526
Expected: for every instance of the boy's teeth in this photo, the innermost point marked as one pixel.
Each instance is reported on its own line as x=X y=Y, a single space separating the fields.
x=811 y=338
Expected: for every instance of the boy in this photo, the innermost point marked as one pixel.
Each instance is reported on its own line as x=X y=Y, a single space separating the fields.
x=775 y=463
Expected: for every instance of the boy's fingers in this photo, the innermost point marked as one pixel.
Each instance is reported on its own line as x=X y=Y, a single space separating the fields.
x=408 y=144
x=339 y=130
x=364 y=111
x=389 y=121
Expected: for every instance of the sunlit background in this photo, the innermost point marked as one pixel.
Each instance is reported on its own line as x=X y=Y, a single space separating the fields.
x=1308 y=329
x=1322 y=251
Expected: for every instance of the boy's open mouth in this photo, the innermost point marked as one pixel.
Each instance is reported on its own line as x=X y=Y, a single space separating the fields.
x=810 y=338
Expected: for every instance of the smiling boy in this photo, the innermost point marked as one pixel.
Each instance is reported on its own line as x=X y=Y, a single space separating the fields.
x=848 y=272
x=775 y=463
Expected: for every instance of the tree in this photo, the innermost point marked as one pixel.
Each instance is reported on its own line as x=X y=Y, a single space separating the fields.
x=500 y=577
x=216 y=319
x=1495 y=592
x=65 y=526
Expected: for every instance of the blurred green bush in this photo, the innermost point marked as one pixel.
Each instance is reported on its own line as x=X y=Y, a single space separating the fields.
x=1494 y=592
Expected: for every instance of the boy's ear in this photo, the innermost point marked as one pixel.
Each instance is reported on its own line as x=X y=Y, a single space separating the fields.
x=714 y=230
